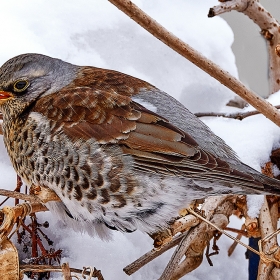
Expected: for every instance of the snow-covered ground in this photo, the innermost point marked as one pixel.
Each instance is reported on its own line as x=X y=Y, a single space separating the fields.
x=97 y=33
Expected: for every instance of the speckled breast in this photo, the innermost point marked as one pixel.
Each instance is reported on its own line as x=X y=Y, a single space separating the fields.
x=83 y=171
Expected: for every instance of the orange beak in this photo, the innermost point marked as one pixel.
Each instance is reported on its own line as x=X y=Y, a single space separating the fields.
x=4 y=95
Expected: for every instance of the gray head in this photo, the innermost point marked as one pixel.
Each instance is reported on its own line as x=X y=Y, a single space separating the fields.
x=26 y=77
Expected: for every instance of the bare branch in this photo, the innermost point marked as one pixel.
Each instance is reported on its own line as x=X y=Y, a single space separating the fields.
x=209 y=207
x=234 y=244
x=266 y=226
x=176 y=258
x=198 y=59
x=201 y=235
x=269 y=29
x=43 y=268
x=22 y=196
x=237 y=116
x=9 y=268
x=237 y=5
x=151 y=255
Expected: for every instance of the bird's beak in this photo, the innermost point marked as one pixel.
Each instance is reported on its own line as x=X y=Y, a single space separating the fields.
x=4 y=95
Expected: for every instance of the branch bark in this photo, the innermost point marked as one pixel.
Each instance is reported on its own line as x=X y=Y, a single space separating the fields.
x=66 y=271
x=9 y=261
x=195 y=240
x=237 y=116
x=22 y=196
x=42 y=268
x=198 y=59
x=151 y=255
x=201 y=235
x=269 y=29
x=267 y=227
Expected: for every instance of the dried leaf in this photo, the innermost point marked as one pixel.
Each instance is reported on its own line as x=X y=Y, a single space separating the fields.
x=9 y=268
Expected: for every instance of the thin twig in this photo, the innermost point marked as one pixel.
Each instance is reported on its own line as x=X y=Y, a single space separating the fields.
x=198 y=59
x=22 y=196
x=234 y=244
x=210 y=205
x=151 y=255
x=175 y=259
x=44 y=268
x=237 y=116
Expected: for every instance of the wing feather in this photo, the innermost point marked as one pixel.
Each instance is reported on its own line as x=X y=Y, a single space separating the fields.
x=109 y=116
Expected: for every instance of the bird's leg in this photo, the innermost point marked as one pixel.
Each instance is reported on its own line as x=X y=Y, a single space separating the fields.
x=44 y=194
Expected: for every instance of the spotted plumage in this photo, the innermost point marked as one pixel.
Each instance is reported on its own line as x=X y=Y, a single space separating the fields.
x=119 y=153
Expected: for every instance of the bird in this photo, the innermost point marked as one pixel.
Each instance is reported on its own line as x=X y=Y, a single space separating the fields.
x=119 y=153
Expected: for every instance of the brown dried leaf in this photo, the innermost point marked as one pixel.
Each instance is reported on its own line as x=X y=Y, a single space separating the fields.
x=9 y=268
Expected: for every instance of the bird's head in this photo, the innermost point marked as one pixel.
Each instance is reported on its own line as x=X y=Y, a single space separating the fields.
x=27 y=77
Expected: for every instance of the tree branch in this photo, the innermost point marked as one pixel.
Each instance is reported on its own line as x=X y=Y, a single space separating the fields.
x=22 y=196
x=201 y=235
x=43 y=268
x=237 y=116
x=211 y=205
x=269 y=29
x=151 y=255
x=266 y=226
x=198 y=59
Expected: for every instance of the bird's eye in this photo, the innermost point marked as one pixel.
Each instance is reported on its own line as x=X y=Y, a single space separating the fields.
x=20 y=85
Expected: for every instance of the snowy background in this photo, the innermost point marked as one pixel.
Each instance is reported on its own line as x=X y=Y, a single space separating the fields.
x=97 y=33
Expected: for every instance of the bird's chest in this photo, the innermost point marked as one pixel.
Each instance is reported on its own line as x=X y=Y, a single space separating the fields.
x=80 y=171
x=93 y=181
x=25 y=145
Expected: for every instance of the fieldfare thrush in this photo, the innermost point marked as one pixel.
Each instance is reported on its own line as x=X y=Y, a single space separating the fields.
x=118 y=152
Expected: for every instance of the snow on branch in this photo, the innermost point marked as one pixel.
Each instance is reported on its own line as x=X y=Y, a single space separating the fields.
x=237 y=116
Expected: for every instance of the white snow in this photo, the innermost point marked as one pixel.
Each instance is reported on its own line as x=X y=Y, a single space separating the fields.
x=254 y=204
x=97 y=33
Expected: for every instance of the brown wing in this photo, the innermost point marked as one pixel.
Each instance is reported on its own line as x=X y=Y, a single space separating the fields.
x=107 y=117
x=180 y=155
x=83 y=114
x=103 y=110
